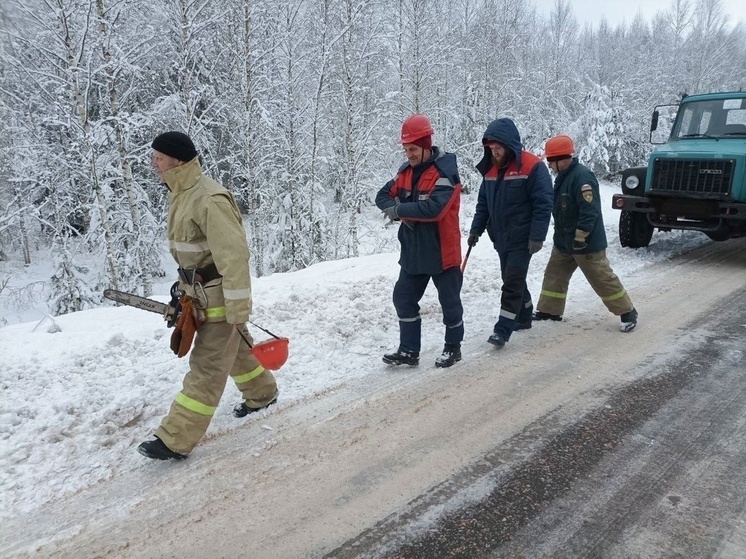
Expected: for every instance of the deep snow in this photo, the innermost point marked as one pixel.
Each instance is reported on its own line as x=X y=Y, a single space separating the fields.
x=81 y=391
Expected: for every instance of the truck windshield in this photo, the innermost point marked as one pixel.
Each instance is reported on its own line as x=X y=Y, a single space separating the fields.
x=721 y=118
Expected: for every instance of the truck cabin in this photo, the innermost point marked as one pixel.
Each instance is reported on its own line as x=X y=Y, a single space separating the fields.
x=712 y=118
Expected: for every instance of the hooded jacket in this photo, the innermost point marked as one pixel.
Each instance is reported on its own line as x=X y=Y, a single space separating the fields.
x=577 y=205
x=429 y=234
x=205 y=227
x=514 y=203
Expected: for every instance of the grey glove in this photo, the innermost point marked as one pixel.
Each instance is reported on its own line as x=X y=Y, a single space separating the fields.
x=391 y=212
x=534 y=246
x=472 y=240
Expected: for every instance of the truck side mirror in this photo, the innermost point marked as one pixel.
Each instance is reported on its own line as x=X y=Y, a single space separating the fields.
x=654 y=123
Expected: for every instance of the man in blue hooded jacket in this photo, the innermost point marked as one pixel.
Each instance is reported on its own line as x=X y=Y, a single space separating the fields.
x=514 y=206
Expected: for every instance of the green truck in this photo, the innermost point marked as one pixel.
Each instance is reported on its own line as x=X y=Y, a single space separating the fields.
x=696 y=180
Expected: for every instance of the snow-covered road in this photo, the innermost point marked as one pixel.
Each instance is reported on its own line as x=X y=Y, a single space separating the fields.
x=306 y=478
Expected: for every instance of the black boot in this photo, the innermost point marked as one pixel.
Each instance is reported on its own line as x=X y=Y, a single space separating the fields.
x=497 y=340
x=451 y=354
x=538 y=315
x=629 y=321
x=523 y=325
x=411 y=358
x=242 y=410
x=157 y=450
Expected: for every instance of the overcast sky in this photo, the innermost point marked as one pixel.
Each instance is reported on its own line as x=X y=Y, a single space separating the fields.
x=616 y=11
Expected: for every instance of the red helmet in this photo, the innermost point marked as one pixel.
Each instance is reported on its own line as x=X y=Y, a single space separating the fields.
x=272 y=353
x=414 y=128
x=559 y=147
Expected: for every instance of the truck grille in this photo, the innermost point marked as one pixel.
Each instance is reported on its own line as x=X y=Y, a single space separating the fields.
x=693 y=176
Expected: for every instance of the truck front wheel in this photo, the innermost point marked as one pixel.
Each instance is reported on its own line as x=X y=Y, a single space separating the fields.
x=635 y=231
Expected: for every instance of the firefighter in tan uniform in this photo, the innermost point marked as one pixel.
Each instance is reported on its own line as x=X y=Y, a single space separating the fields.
x=208 y=242
x=579 y=239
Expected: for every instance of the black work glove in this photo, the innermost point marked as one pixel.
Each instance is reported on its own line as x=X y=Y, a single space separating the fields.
x=534 y=246
x=472 y=240
x=578 y=243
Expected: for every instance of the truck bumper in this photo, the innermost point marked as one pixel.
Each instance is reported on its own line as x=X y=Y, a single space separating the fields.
x=684 y=213
x=632 y=203
x=680 y=207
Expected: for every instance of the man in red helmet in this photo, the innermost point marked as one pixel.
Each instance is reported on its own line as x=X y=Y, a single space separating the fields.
x=208 y=242
x=425 y=197
x=579 y=239
x=514 y=206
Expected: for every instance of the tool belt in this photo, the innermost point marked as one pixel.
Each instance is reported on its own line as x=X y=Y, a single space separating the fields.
x=199 y=275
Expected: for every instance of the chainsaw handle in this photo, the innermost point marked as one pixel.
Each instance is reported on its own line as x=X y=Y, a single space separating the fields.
x=171 y=316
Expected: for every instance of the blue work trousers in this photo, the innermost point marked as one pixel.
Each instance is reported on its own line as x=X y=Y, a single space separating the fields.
x=515 y=302
x=408 y=292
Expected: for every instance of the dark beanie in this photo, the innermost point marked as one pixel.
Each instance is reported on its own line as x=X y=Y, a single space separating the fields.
x=425 y=143
x=175 y=144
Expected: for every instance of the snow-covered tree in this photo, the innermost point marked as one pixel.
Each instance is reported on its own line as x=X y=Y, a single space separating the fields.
x=603 y=142
x=296 y=107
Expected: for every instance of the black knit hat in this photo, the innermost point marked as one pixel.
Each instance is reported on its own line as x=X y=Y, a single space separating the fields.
x=175 y=144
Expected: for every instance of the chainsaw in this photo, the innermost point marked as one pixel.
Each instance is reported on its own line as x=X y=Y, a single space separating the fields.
x=169 y=312
x=272 y=354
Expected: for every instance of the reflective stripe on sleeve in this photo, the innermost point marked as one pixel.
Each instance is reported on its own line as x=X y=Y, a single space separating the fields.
x=235 y=294
x=181 y=246
x=193 y=405
x=240 y=379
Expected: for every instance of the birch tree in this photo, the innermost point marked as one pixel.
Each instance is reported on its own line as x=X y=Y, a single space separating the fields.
x=136 y=228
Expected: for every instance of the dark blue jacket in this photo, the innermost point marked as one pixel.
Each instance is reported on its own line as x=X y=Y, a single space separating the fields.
x=515 y=202
x=429 y=198
x=577 y=205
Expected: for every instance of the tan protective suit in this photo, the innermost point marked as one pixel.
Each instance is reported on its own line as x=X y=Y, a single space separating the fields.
x=204 y=227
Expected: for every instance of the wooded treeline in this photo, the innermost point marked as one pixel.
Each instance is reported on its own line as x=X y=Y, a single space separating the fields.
x=296 y=107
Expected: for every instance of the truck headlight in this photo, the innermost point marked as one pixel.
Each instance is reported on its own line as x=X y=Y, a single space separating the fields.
x=632 y=182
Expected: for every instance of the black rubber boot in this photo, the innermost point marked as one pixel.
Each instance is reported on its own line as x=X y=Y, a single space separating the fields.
x=497 y=340
x=451 y=354
x=538 y=315
x=157 y=450
x=629 y=321
x=242 y=410
x=410 y=358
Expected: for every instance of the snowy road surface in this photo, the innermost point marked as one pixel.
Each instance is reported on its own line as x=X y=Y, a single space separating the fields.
x=575 y=440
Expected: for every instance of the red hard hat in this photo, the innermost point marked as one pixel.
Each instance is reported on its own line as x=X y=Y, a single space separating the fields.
x=272 y=353
x=414 y=128
x=559 y=146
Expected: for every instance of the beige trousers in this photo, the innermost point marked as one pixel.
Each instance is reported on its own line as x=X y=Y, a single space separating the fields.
x=596 y=269
x=218 y=352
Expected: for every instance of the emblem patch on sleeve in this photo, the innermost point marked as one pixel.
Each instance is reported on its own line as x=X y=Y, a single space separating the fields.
x=587 y=191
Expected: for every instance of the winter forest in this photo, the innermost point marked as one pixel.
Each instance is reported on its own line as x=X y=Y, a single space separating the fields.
x=296 y=106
